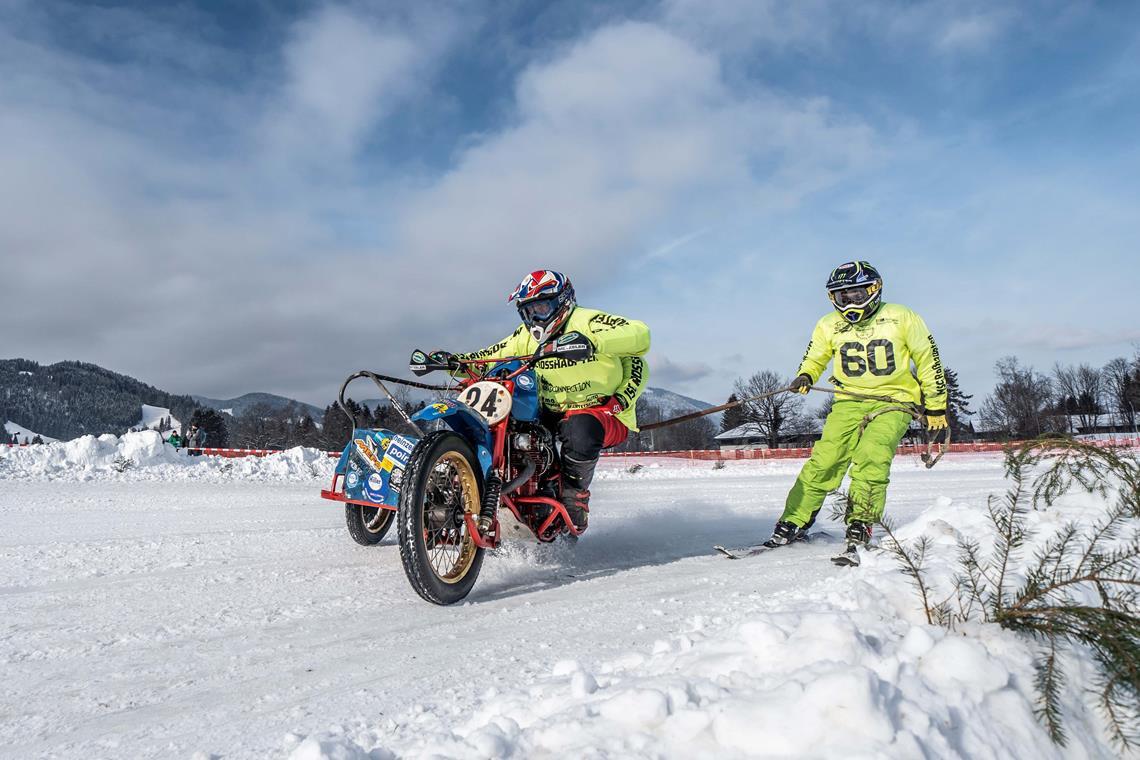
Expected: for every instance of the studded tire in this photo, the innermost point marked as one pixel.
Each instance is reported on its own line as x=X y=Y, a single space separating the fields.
x=443 y=480
x=359 y=518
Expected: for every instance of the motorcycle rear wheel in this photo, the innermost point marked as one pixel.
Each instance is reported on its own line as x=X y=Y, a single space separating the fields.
x=442 y=483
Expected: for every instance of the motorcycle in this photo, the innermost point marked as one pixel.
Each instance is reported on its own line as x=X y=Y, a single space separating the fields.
x=487 y=472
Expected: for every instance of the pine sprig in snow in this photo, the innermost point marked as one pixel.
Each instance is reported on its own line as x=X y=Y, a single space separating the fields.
x=1080 y=589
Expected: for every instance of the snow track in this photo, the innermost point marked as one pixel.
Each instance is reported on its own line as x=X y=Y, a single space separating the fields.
x=157 y=619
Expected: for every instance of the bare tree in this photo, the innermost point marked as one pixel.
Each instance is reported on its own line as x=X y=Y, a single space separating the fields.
x=1020 y=403
x=1079 y=392
x=1117 y=375
x=774 y=415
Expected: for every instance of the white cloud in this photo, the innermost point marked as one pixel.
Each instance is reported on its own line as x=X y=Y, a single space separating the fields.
x=664 y=372
x=971 y=32
x=344 y=71
x=133 y=240
x=623 y=129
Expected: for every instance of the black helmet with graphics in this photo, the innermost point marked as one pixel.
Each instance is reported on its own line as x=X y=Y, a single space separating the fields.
x=855 y=290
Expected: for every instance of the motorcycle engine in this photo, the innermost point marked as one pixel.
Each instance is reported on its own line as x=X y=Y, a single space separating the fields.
x=533 y=442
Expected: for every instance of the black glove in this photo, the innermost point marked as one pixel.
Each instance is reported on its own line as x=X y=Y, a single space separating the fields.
x=802 y=383
x=445 y=359
x=571 y=346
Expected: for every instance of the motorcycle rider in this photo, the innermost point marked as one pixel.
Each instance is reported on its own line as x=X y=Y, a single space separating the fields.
x=873 y=344
x=590 y=378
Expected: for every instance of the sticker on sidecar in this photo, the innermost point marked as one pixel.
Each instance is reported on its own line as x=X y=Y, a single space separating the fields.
x=366 y=447
x=399 y=451
x=374 y=487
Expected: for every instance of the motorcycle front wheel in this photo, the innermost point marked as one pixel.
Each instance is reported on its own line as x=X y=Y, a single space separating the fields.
x=442 y=483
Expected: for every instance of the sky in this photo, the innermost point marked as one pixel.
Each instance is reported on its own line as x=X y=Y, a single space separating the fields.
x=219 y=198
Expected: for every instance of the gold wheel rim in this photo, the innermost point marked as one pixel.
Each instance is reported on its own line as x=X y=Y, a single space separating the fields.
x=451 y=491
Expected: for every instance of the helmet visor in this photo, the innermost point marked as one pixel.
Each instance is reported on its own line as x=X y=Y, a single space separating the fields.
x=539 y=311
x=856 y=296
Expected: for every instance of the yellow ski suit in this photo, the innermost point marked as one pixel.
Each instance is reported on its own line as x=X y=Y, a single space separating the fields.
x=873 y=357
x=616 y=368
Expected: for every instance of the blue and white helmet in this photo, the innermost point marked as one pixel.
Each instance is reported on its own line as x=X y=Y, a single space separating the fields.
x=545 y=299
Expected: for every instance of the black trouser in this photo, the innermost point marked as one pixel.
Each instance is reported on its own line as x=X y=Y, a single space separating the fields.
x=581 y=436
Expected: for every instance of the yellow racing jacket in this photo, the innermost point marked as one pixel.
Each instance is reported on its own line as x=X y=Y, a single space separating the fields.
x=616 y=369
x=874 y=356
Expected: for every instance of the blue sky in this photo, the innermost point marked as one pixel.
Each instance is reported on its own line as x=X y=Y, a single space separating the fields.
x=225 y=197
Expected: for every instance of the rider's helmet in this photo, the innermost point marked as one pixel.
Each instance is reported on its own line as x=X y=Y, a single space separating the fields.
x=545 y=299
x=855 y=290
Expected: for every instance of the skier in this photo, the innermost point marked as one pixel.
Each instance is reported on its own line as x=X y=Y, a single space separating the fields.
x=873 y=344
x=589 y=381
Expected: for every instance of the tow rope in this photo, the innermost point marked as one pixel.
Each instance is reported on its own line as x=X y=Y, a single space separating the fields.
x=935 y=450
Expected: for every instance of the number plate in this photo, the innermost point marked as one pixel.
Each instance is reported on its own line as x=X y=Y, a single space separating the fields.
x=490 y=400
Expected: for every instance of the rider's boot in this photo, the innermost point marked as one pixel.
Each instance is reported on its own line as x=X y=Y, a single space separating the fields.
x=576 y=478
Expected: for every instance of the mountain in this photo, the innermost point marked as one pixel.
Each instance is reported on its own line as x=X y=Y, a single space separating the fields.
x=672 y=404
x=69 y=399
x=238 y=406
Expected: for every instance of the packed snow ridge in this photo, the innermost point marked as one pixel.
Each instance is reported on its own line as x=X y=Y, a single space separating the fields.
x=145 y=455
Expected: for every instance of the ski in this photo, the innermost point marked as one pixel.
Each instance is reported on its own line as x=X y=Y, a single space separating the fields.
x=752 y=551
x=849 y=557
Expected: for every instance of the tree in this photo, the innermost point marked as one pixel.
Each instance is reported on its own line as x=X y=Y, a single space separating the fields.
x=335 y=427
x=683 y=436
x=958 y=405
x=733 y=417
x=1020 y=402
x=1120 y=381
x=776 y=413
x=214 y=423
x=1078 y=390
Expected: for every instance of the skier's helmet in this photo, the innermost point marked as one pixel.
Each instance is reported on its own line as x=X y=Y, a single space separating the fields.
x=855 y=290
x=545 y=299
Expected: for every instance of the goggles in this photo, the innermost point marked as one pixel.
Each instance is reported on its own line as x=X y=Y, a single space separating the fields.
x=539 y=310
x=856 y=296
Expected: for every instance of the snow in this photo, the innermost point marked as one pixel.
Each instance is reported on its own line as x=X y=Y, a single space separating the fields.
x=25 y=435
x=144 y=456
x=152 y=417
x=174 y=610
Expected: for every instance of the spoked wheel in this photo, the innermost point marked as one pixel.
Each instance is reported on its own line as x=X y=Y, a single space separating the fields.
x=441 y=484
x=368 y=525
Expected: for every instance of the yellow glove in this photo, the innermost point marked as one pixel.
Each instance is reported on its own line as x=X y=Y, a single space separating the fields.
x=936 y=420
x=802 y=384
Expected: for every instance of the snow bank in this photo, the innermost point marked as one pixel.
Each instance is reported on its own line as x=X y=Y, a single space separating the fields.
x=145 y=456
x=842 y=668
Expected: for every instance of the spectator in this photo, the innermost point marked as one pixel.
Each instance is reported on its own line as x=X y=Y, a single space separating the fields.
x=197 y=437
x=175 y=440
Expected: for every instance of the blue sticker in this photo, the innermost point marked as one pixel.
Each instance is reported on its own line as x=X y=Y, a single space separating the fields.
x=374 y=487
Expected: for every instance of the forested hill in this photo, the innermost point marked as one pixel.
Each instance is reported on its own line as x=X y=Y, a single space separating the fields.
x=69 y=399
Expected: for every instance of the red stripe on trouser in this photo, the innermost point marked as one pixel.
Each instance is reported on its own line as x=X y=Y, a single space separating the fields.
x=615 y=430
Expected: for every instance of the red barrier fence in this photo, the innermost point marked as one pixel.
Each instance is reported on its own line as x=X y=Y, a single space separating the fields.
x=733 y=455
x=235 y=453
x=709 y=455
